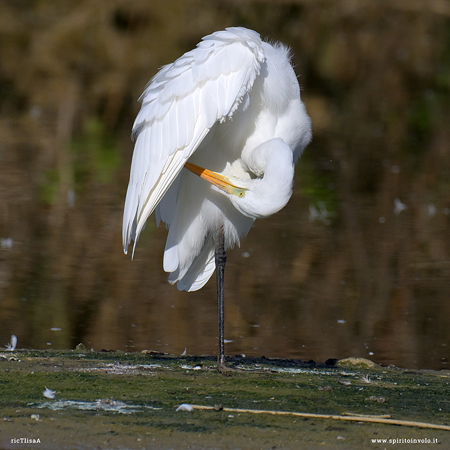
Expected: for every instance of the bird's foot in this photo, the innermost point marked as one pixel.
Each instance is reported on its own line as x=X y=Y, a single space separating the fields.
x=222 y=367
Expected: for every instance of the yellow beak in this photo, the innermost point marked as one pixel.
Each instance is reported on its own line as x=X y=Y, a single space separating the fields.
x=216 y=179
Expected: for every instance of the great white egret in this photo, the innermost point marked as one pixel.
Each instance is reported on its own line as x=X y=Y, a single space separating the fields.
x=230 y=112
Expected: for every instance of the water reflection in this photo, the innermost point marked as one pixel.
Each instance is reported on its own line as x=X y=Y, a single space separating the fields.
x=358 y=262
x=296 y=288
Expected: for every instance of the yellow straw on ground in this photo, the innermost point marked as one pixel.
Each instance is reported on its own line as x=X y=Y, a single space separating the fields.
x=351 y=418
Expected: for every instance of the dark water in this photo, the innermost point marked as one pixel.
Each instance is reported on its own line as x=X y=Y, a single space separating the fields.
x=357 y=264
x=299 y=287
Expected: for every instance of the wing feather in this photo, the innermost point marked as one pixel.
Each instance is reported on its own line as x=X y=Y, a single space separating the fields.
x=179 y=106
x=189 y=119
x=181 y=124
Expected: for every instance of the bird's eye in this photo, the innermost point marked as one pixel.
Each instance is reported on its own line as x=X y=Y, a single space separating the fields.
x=237 y=191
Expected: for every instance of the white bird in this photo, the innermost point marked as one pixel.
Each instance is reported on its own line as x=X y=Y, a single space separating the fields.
x=230 y=112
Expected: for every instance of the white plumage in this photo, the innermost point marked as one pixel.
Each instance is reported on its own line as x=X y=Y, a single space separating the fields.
x=231 y=105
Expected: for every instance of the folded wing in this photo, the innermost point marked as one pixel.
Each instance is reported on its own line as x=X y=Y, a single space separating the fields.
x=179 y=107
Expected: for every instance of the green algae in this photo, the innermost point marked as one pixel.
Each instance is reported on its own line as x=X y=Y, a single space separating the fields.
x=129 y=400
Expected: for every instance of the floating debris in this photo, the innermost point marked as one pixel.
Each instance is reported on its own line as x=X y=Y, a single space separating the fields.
x=11 y=346
x=365 y=379
x=120 y=369
x=320 y=214
x=399 y=206
x=48 y=393
x=107 y=404
x=190 y=367
x=185 y=407
x=6 y=243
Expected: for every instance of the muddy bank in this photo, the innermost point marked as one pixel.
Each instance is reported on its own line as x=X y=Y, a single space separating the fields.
x=128 y=400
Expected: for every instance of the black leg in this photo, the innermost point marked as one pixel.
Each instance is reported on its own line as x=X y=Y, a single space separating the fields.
x=221 y=259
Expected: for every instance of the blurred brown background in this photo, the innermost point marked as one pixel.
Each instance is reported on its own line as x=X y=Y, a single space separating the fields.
x=358 y=262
